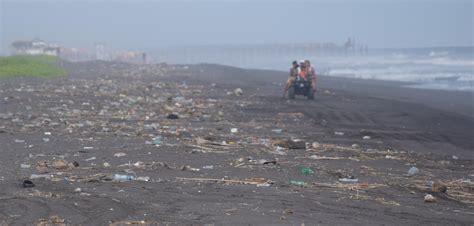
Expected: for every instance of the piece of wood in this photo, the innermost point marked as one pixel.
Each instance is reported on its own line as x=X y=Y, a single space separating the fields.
x=221 y=180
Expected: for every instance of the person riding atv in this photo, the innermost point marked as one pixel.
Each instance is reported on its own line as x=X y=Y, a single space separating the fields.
x=304 y=82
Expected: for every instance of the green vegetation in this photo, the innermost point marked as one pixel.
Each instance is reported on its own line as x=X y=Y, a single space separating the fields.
x=36 y=66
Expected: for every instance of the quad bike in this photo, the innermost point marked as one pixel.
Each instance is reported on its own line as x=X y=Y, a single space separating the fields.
x=301 y=87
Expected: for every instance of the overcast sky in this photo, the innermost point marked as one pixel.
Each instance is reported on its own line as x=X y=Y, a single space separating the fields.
x=145 y=25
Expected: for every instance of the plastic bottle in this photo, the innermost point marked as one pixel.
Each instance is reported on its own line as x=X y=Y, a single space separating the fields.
x=121 y=177
x=307 y=171
x=146 y=179
x=298 y=183
x=38 y=176
x=413 y=171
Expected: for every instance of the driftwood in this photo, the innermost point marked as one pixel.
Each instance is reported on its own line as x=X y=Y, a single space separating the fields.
x=358 y=186
x=254 y=181
x=457 y=190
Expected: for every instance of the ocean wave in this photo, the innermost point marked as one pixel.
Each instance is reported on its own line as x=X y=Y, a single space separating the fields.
x=401 y=74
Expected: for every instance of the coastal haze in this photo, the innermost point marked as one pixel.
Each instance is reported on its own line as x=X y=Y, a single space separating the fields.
x=120 y=112
x=408 y=41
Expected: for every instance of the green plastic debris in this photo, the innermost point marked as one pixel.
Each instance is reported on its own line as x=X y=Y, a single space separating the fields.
x=299 y=183
x=156 y=142
x=306 y=171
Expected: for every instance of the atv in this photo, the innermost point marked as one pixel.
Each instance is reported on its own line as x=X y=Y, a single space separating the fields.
x=301 y=87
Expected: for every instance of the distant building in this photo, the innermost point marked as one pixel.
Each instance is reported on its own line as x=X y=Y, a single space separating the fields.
x=35 y=47
x=100 y=52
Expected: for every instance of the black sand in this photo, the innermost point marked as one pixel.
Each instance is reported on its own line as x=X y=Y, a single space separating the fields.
x=121 y=108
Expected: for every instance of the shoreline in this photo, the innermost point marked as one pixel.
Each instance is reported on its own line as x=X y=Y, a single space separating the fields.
x=460 y=102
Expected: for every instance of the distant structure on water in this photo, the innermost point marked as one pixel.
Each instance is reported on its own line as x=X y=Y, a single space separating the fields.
x=35 y=47
x=246 y=55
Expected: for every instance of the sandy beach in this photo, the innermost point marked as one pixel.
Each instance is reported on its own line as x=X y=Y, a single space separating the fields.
x=208 y=154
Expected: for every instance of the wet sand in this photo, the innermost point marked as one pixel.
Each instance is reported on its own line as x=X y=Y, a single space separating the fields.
x=103 y=109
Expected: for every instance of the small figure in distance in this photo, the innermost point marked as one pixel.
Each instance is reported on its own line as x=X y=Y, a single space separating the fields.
x=311 y=74
x=294 y=73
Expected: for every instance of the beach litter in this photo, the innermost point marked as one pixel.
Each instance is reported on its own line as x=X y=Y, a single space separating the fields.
x=28 y=184
x=238 y=92
x=350 y=180
x=120 y=154
x=298 y=183
x=307 y=171
x=413 y=171
x=429 y=198
x=258 y=181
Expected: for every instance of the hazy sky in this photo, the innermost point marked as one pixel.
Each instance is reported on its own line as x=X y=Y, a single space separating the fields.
x=144 y=25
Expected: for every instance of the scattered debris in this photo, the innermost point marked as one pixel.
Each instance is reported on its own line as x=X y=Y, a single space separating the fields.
x=351 y=180
x=120 y=154
x=429 y=198
x=238 y=92
x=59 y=164
x=42 y=167
x=259 y=181
x=52 y=220
x=315 y=145
x=298 y=183
x=307 y=171
x=413 y=171
x=28 y=184
x=277 y=130
x=172 y=116
x=25 y=166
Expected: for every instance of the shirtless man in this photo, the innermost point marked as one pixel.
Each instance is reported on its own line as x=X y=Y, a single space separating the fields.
x=311 y=74
x=294 y=72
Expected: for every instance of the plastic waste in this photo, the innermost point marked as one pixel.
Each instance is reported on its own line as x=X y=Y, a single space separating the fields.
x=306 y=171
x=28 y=184
x=429 y=198
x=157 y=140
x=25 y=166
x=352 y=180
x=208 y=167
x=299 y=183
x=413 y=171
x=39 y=176
x=143 y=179
x=429 y=184
x=91 y=158
x=121 y=177
x=172 y=116
x=277 y=130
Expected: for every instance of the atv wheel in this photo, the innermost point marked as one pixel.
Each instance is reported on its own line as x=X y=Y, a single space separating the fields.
x=291 y=93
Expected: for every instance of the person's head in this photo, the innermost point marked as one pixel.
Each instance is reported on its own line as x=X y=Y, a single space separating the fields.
x=302 y=64
x=295 y=64
x=307 y=63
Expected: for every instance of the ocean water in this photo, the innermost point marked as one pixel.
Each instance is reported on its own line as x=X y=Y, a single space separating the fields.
x=428 y=68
